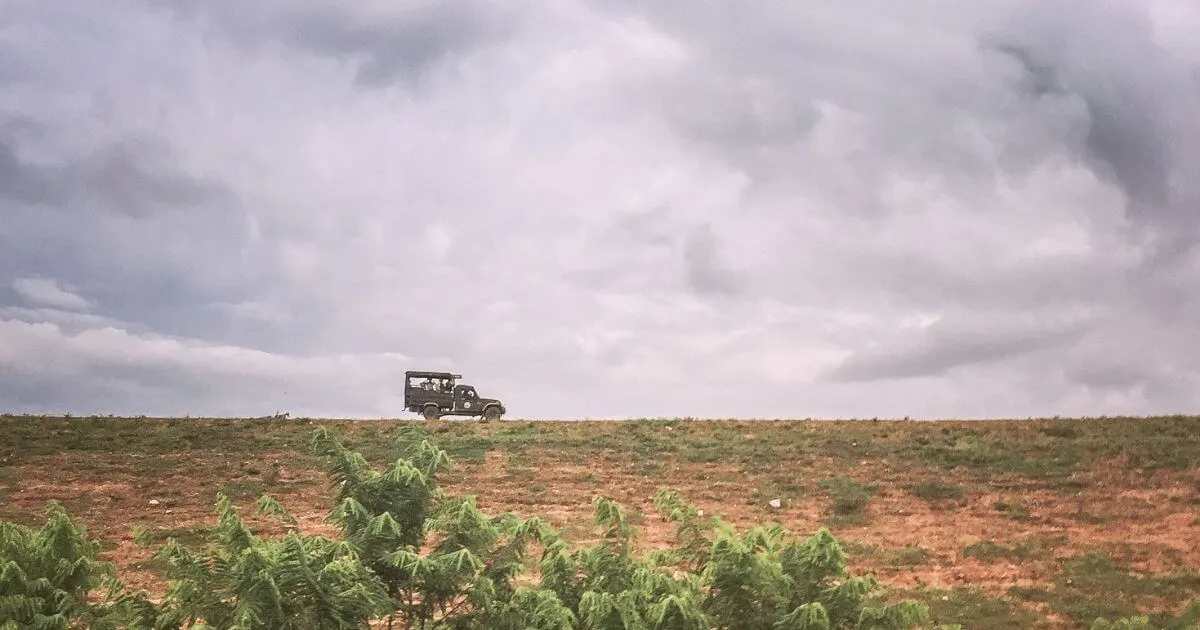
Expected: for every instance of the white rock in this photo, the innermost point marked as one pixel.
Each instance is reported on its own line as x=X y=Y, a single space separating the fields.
x=154 y=501
x=776 y=503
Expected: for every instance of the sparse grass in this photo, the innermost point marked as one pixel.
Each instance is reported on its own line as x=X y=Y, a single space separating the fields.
x=1015 y=509
x=937 y=491
x=907 y=556
x=972 y=609
x=244 y=489
x=194 y=536
x=1038 y=448
x=1092 y=586
x=1032 y=546
x=10 y=481
x=849 y=496
x=466 y=448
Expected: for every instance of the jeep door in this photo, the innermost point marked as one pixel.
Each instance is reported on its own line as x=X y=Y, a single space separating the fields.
x=465 y=399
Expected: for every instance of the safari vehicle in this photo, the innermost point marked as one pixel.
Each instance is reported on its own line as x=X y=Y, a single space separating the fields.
x=435 y=394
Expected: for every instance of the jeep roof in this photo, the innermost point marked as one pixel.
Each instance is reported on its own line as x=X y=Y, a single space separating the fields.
x=423 y=374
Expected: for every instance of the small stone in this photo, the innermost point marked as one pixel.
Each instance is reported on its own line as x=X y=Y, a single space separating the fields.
x=775 y=503
x=154 y=501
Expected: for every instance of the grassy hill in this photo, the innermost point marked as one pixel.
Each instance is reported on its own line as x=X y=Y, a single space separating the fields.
x=995 y=524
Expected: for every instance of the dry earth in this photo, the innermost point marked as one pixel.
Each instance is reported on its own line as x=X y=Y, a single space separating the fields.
x=1146 y=518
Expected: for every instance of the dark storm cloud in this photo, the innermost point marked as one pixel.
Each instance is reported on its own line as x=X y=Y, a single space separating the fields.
x=136 y=180
x=30 y=183
x=125 y=222
x=760 y=73
x=398 y=43
x=1040 y=79
x=404 y=47
x=1140 y=104
x=1129 y=132
x=946 y=346
x=138 y=185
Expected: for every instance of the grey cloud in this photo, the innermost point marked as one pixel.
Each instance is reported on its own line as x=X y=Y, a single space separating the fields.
x=1140 y=104
x=1126 y=139
x=405 y=48
x=946 y=346
x=124 y=178
x=1108 y=377
x=47 y=292
x=706 y=271
x=758 y=77
x=153 y=374
x=128 y=179
x=29 y=183
x=1040 y=79
x=401 y=43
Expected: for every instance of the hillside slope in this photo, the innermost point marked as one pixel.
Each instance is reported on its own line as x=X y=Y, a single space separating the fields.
x=997 y=524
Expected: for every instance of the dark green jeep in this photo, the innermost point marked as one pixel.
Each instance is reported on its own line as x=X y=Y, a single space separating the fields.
x=435 y=394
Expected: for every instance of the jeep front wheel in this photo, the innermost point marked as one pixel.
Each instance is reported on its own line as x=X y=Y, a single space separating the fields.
x=491 y=413
x=431 y=412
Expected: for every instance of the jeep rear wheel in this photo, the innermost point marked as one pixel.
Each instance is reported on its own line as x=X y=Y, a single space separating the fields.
x=491 y=413
x=431 y=412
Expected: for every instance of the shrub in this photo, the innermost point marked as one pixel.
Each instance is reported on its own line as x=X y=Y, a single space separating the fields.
x=48 y=575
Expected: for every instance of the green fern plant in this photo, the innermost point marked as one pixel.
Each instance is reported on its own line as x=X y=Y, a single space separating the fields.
x=48 y=576
x=762 y=579
x=242 y=581
x=440 y=558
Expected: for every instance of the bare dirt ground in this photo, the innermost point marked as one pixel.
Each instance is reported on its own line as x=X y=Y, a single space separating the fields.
x=1145 y=518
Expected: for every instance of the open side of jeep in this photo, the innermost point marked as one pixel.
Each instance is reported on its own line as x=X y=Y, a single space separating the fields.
x=437 y=394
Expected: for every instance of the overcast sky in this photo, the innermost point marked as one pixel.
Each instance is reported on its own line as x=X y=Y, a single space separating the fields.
x=601 y=209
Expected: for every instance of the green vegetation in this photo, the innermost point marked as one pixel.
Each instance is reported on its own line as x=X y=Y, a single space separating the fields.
x=421 y=558
x=937 y=491
x=727 y=466
x=47 y=575
x=1031 y=546
x=849 y=496
x=1188 y=619
x=1048 y=450
x=1013 y=508
x=972 y=609
x=1093 y=587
